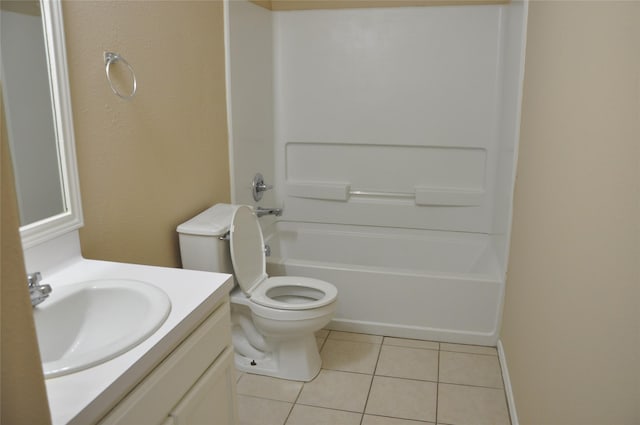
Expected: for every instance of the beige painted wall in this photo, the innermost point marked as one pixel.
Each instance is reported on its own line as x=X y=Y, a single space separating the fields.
x=571 y=327
x=23 y=399
x=145 y=166
x=149 y=164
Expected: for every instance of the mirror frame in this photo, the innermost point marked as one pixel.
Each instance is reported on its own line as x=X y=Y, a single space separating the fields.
x=71 y=219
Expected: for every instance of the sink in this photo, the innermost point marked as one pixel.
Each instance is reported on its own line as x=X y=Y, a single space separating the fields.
x=87 y=323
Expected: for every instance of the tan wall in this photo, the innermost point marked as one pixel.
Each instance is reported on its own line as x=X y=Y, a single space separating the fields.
x=149 y=164
x=571 y=325
x=22 y=391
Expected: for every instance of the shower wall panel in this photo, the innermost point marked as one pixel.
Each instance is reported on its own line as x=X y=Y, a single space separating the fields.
x=388 y=117
x=250 y=97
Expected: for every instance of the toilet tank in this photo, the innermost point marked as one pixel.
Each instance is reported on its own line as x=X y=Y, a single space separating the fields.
x=200 y=245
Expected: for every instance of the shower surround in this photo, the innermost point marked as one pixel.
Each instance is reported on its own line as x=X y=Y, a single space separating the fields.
x=390 y=135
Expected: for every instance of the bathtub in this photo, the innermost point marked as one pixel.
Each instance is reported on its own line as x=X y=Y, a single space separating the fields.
x=430 y=285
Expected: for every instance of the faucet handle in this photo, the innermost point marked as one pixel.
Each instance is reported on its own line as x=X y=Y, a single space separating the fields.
x=263 y=187
x=34 y=278
x=258 y=186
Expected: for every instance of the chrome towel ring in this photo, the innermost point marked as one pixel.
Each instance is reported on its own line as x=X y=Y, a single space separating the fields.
x=110 y=58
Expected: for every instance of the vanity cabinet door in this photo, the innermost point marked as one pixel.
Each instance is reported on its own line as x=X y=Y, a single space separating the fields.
x=153 y=400
x=211 y=400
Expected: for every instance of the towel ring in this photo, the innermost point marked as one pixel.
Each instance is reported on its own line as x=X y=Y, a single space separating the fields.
x=109 y=58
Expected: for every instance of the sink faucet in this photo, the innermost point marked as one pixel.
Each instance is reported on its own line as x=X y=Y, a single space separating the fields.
x=37 y=292
x=268 y=211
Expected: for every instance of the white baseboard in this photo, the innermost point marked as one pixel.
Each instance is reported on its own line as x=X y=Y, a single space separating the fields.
x=513 y=414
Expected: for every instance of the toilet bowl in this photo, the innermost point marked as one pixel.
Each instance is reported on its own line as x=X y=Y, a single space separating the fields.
x=273 y=318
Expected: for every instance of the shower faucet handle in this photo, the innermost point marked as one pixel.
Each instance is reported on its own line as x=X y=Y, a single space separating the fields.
x=261 y=187
x=258 y=186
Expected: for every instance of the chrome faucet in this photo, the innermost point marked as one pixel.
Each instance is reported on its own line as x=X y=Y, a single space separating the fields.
x=37 y=292
x=268 y=211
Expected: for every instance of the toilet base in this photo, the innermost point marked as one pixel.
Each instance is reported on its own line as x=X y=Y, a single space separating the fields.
x=295 y=359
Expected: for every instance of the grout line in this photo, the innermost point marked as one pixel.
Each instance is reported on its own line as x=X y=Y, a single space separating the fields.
x=389 y=376
x=471 y=385
x=408 y=379
x=364 y=409
x=324 y=341
x=438 y=385
x=355 y=342
x=411 y=348
x=417 y=421
x=330 y=408
x=297 y=397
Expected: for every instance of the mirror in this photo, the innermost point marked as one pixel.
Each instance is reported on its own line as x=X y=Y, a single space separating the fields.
x=37 y=105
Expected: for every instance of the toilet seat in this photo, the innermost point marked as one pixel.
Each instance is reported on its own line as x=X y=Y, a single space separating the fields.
x=249 y=263
x=294 y=293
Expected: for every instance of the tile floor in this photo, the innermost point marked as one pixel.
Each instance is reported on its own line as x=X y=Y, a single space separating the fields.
x=375 y=380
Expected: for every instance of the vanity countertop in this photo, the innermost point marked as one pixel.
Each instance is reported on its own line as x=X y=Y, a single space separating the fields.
x=85 y=396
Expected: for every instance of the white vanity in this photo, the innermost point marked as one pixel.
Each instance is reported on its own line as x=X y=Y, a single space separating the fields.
x=182 y=374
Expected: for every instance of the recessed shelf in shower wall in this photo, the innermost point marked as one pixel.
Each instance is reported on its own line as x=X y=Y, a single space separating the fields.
x=436 y=187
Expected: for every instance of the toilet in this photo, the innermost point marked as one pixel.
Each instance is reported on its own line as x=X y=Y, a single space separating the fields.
x=274 y=319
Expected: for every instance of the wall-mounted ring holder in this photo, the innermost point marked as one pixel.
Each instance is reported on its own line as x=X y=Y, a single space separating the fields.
x=112 y=58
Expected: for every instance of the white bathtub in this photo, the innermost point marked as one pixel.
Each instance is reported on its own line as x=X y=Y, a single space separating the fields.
x=420 y=284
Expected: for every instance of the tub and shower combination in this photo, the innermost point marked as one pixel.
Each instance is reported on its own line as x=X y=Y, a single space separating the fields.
x=390 y=137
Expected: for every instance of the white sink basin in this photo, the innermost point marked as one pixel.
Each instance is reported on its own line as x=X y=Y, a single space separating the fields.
x=84 y=324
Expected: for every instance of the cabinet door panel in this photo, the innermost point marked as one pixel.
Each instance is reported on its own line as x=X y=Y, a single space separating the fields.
x=211 y=401
x=152 y=400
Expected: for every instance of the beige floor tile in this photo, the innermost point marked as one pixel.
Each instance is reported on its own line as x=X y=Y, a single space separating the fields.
x=462 y=405
x=471 y=349
x=384 y=420
x=322 y=333
x=309 y=415
x=470 y=369
x=267 y=387
x=337 y=390
x=260 y=411
x=320 y=342
x=413 y=343
x=402 y=398
x=349 y=356
x=238 y=375
x=405 y=362
x=350 y=336
x=321 y=337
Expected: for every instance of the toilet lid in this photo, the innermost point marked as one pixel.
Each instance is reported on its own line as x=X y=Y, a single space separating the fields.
x=247 y=249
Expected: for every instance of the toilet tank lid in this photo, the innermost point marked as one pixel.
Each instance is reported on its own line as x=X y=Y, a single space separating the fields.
x=214 y=221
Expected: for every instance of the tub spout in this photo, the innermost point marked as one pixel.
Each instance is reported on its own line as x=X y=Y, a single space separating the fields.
x=268 y=211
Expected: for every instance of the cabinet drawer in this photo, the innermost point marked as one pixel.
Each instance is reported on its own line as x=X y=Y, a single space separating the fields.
x=153 y=399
